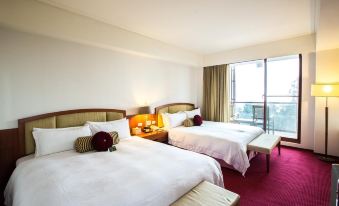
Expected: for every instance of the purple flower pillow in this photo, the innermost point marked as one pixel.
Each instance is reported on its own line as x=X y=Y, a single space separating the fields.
x=197 y=120
x=101 y=141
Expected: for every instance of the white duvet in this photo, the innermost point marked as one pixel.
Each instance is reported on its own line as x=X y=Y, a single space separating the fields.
x=223 y=141
x=140 y=172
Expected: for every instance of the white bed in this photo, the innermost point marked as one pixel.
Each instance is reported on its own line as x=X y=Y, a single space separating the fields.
x=224 y=141
x=140 y=172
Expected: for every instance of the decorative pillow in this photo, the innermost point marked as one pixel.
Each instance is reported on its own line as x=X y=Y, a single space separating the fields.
x=115 y=137
x=101 y=141
x=192 y=113
x=83 y=144
x=188 y=123
x=197 y=120
x=121 y=126
x=48 y=141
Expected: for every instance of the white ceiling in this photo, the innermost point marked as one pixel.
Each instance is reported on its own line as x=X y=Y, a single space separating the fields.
x=202 y=26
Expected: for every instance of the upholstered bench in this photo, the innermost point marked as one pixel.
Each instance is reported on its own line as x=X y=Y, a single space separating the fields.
x=264 y=144
x=207 y=194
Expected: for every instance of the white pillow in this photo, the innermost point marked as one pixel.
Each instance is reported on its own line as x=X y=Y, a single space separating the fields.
x=48 y=141
x=191 y=114
x=165 y=120
x=175 y=119
x=121 y=126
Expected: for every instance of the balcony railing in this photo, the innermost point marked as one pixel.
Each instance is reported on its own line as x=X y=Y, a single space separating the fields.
x=281 y=116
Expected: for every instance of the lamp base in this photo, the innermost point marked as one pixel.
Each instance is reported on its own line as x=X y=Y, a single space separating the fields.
x=327 y=159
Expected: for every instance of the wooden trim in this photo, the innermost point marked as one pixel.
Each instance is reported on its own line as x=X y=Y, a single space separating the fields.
x=156 y=110
x=22 y=122
x=298 y=140
x=9 y=153
x=300 y=98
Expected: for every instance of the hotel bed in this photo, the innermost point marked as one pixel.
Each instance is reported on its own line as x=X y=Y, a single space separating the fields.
x=139 y=172
x=225 y=142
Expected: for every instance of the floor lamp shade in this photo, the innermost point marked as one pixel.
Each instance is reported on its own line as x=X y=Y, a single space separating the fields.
x=325 y=90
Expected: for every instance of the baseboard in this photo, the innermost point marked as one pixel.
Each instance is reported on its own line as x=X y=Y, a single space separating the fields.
x=309 y=150
x=298 y=148
x=331 y=156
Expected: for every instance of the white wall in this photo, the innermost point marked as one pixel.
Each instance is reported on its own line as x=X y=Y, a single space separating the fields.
x=304 y=45
x=327 y=71
x=41 y=74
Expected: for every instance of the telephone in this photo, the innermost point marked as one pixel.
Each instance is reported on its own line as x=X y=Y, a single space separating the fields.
x=155 y=128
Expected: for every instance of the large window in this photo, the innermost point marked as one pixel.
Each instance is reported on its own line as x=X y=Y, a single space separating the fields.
x=266 y=93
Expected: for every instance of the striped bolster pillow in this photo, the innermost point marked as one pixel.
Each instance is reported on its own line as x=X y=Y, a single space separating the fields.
x=188 y=123
x=84 y=144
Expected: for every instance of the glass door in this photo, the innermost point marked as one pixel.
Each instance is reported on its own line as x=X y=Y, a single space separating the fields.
x=266 y=93
x=283 y=96
x=247 y=92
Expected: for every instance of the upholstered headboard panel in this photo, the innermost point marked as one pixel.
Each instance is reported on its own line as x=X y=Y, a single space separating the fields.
x=172 y=108
x=62 y=119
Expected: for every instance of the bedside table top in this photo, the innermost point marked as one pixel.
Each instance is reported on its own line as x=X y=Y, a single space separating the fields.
x=143 y=134
x=159 y=136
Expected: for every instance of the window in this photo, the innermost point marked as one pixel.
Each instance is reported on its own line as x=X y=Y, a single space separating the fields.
x=266 y=93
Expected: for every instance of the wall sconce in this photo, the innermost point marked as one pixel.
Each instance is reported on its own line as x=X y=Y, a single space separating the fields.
x=142 y=120
x=144 y=110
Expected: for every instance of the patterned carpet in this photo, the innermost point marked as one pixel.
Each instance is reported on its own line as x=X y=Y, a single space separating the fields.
x=296 y=177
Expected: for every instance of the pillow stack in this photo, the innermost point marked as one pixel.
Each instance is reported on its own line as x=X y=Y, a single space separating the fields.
x=182 y=118
x=106 y=134
x=49 y=141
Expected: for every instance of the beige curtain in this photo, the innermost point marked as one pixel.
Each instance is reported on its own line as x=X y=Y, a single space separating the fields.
x=215 y=104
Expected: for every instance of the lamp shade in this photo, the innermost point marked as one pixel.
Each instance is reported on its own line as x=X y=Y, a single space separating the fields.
x=325 y=90
x=144 y=110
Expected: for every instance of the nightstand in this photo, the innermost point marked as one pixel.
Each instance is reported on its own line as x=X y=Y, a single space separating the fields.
x=160 y=136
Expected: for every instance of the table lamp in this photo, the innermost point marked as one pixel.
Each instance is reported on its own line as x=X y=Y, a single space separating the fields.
x=325 y=90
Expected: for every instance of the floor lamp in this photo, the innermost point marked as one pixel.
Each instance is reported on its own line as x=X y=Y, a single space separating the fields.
x=325 y=90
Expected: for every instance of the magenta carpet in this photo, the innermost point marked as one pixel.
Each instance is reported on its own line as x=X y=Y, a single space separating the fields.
x=296 y=177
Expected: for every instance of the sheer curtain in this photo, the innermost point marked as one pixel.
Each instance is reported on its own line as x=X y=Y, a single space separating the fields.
x=215 y=93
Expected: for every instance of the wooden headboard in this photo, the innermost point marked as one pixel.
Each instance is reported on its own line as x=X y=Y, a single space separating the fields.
x=69 y=118
x=172 y=108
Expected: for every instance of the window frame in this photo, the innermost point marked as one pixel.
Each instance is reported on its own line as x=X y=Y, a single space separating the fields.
x=232 y=97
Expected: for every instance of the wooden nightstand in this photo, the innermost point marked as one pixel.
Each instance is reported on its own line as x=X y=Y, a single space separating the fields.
x=161 y=136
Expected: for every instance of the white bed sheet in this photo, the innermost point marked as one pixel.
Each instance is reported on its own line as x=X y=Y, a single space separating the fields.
x=224 y=141
x=140 y=172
